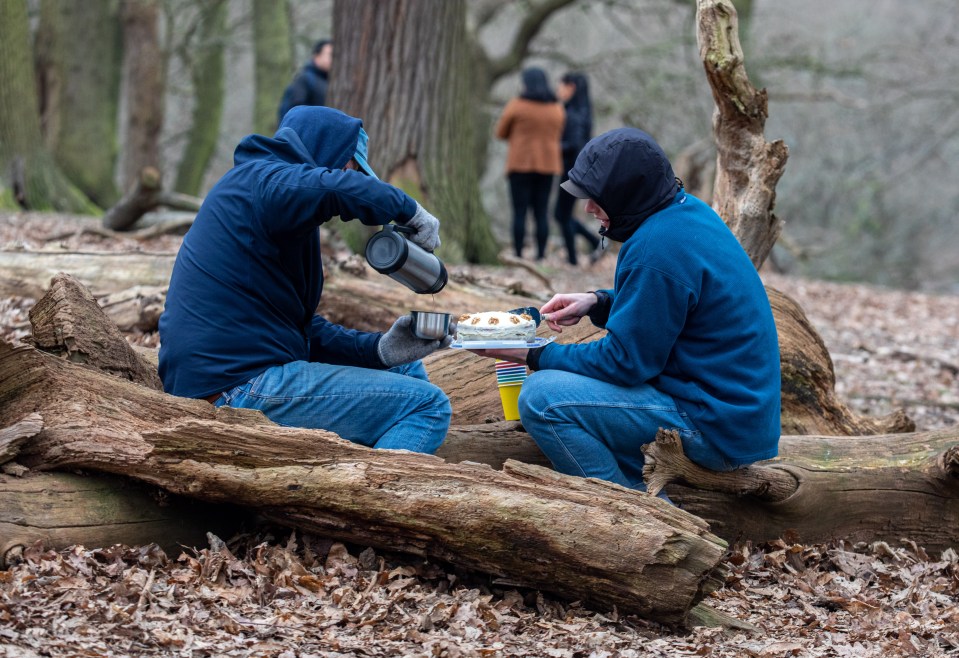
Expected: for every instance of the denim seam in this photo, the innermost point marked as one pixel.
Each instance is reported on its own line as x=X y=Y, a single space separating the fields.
x=552 y=425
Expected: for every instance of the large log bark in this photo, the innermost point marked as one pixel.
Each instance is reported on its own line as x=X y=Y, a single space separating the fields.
x=62 y=509
x=525 y=523
x=864 y=488
x=28 y=273
x=68 y=322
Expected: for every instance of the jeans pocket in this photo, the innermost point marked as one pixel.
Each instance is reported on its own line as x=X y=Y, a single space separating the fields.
x=253 y=386
x=243 y=389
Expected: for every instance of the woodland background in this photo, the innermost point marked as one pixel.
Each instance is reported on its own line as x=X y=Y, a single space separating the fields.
x=862 y=95
x=862 y=92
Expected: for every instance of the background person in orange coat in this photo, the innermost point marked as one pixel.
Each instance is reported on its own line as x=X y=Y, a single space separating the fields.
x=533 y=124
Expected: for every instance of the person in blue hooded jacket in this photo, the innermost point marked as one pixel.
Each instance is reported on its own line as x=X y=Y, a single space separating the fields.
x=240 y=326
x=690 y=339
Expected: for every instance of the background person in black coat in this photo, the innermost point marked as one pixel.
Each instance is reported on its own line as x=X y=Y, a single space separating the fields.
x=310 y=84
x=573 y=91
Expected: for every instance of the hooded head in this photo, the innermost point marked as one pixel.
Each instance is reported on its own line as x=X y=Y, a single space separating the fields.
x=323 y=137
x=580 y=98
x=627 y=173
x=536 y=86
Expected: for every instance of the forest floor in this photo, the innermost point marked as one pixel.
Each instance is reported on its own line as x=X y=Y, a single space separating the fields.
x=271 y=592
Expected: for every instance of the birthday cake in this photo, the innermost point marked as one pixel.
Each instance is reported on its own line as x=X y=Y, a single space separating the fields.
x=495 y=325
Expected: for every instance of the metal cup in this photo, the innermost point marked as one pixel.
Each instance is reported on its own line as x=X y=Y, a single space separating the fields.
x=429 y=325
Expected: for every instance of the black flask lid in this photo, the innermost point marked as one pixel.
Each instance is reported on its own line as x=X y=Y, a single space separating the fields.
x=387 y=250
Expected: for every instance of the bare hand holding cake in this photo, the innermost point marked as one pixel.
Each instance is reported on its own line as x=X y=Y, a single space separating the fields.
x=495 y=326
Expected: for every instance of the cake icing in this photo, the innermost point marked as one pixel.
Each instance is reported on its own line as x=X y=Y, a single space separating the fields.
x=495 y=325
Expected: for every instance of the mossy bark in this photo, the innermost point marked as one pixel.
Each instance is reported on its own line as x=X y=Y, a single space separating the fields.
x=28 y=169
x=206 y=72
x=79 y=92
x=274 y=65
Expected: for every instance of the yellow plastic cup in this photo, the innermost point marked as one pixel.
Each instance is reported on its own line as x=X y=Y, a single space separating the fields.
x=509 y=396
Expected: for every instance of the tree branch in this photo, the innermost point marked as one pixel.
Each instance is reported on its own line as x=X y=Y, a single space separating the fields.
x=666 y=462
x=529 y=27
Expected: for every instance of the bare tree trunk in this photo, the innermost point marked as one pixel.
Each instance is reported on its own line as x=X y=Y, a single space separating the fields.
x=144 y=80
x=206 y=64
x=422 y=115
x=79 y=92
x=26 y=167
x=748 y=167
x=274 y=65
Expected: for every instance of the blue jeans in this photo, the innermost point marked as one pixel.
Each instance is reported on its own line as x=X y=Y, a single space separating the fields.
x=591 y=428
x=396 y=409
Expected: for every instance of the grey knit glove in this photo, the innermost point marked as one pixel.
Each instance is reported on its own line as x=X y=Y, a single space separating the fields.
x=398 y=345
x=427 y=229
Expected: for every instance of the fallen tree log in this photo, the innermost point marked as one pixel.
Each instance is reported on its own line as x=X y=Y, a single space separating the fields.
x=820 y=488
x=28 y=273
x=148 y=194
x=525 y=523
x=63 y=509
x=863 y=488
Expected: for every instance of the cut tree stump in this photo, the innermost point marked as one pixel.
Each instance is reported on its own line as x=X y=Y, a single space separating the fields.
x=525 y=523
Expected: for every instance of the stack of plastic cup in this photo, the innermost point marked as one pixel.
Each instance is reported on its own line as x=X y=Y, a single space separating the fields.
x=510 y=377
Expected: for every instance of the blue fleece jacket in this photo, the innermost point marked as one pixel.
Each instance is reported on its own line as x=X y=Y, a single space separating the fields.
x=248 y=276
x=688 y=312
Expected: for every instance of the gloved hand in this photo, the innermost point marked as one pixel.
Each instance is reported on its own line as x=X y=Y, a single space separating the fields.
x=427 y=229
x=398 y=345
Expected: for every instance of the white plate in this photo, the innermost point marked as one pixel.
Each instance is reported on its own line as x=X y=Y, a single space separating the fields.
x=500 y=344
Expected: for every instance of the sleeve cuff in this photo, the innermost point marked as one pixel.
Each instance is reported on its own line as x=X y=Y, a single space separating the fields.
x=599 y=314
x=532 y=357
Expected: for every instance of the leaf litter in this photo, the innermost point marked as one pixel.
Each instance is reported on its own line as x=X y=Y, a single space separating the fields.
x=269 y=593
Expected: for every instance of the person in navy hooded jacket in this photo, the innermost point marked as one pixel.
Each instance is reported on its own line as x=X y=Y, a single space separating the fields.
x=240 y=326
x=690 y=340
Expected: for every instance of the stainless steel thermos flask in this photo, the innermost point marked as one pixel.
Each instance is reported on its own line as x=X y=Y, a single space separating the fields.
x=390 y=252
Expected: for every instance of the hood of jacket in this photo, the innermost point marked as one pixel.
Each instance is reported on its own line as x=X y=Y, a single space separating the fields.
x=309 y=134
x=627 y=173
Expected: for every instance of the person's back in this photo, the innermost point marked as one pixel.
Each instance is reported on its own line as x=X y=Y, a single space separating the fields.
x=533 y=130
x=578 y=129
x=532 y=125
